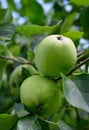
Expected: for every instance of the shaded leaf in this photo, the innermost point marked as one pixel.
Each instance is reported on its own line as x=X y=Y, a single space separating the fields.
x=84 y=19
x=19 y=110
x=29 y=30
x=5 y=16
x=3 y=62
x=7 y=31
x=76 y=91
x=44 y=125
x=28 y=123
x=7 y=121
x=63 y=126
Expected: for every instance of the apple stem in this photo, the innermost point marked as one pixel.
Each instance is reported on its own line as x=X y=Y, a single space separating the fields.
x=50 y=122
x=77 y=114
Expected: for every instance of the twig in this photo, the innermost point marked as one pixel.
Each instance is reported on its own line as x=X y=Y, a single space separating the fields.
x=78 y=65
x=16 y=60
x=80 y=53
x=77 y=114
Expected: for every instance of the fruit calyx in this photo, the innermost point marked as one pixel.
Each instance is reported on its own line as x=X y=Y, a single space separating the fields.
x=59 y=37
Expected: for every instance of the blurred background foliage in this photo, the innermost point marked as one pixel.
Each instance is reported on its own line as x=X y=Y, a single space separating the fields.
x=74 y=17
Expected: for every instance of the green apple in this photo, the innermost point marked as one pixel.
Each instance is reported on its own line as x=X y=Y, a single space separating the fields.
x=40 y=95
x=55 y=54
x=18 y=75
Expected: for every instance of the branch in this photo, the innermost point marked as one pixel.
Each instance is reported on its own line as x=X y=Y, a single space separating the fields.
x=78 y=66
x=20 y=60
x=79 y=53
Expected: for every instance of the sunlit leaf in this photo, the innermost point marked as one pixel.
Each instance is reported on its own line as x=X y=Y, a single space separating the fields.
x=68 y=22
x=33 y=10
x=46 y=1
x=29 y=30
x=74 y=35
x=7 y=121
x=80 y=2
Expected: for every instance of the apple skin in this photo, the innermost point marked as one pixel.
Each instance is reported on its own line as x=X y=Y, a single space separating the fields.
x=54 y=55
x=16 y=77
x=40 y=95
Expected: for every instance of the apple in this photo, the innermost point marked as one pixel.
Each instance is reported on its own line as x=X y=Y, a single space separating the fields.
x=17 y=77
x=40 y=95
x=54 y=55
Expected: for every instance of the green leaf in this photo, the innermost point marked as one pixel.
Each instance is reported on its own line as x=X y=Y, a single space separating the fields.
x=80 y=2
x=29 y=30
x=68 y=22
x=35 y=13
x=44 y=125
x=7 y=31
x=28 y=123
x=74 y=35
x=7 y=121
x=3 y=63
x=76 y=91
x=5 y=16
x=46 y=1
x=84 y=20
x=86 y=52
x=63 y=126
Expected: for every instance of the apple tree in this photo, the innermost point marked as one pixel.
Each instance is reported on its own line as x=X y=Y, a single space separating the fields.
x=44 y=65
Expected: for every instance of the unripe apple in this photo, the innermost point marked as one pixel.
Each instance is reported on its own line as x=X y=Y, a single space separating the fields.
x=17 y=77
x=40 y=95
x=55 y=54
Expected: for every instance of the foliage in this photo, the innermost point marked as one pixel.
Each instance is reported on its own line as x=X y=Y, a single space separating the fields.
x=23 y=24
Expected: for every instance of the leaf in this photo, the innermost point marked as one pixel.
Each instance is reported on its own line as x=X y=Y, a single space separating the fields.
x=44 y=125
x=33 y=12
x=76 y=91
x=80 y=2
x=29 y=30
x=7 y=121
x=3 y=63
x=84 y=20
x=28 y=123
x=46 y=1
x=19 y=110
x=74 y=35
x=63 y=126
x=68 y=22
x=5 y=16
x=7 y=31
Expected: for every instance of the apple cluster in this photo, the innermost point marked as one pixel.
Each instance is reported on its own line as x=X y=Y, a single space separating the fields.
x=39 y=93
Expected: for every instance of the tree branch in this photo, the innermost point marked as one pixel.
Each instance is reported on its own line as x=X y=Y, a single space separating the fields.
x=20 y=60
x=78 y=65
